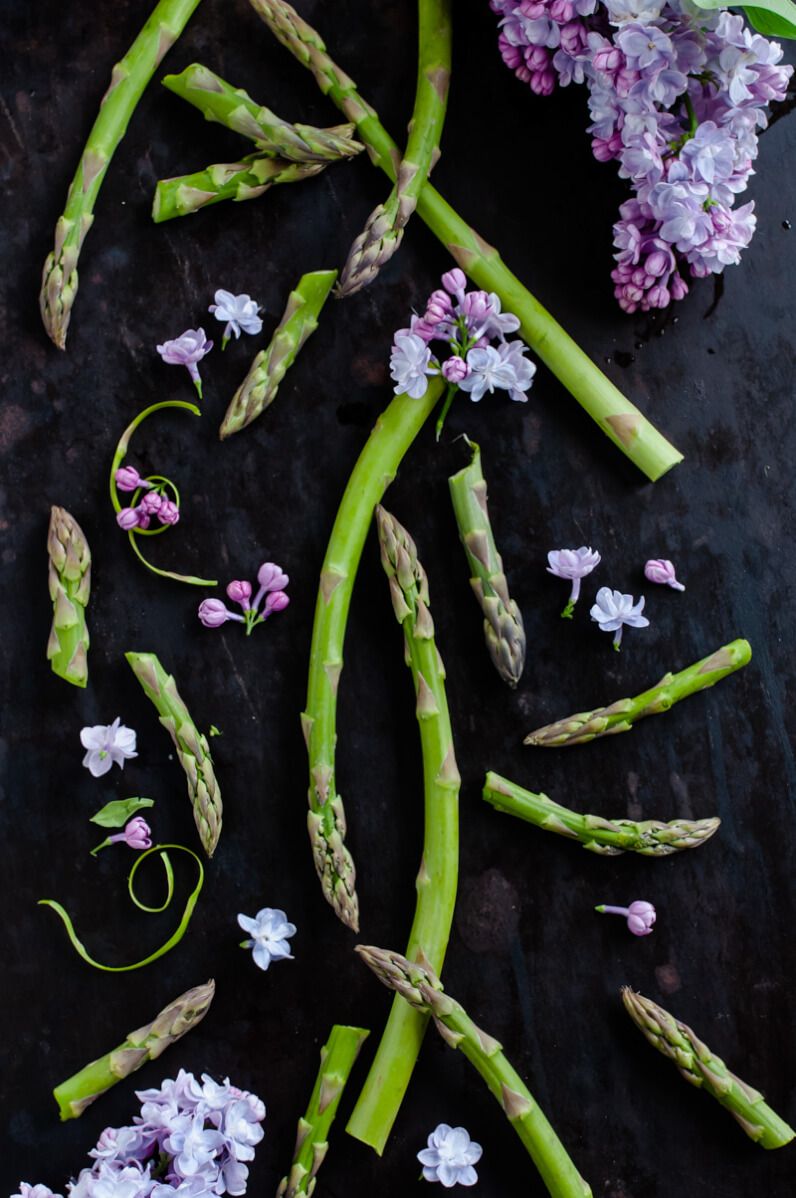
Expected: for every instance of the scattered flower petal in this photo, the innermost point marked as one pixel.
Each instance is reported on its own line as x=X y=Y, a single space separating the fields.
x=450 y=1156
x=269 y=933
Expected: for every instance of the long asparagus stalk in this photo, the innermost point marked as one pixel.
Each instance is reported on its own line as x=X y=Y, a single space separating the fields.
x=140 y=1046
x=609 y=837
x=621 y=715
x=375 y=469
x=503 y=627
x=191 y=745
x=128 y=80
x=390 y=1073
x=244 y=180
x=299 y=321
x=422 y=989
x=338 y=1057
x=385 y=226
x=234 y=108
x=619 y=419
x=69 y=580
x=699 y=1066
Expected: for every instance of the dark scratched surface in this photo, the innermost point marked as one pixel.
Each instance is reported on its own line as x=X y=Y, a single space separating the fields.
x=527 y=956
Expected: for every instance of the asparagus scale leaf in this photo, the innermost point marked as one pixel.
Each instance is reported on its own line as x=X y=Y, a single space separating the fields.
x=69 y=581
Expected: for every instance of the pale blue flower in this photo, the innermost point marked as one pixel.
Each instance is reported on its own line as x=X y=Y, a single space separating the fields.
x=270 y=932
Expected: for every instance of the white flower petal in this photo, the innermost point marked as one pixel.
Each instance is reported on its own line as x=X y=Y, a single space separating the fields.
x=279 y=950
x=467 y=1176
x=94 y=737
x=262 y=957
x=428 y=1156
x=247 y=923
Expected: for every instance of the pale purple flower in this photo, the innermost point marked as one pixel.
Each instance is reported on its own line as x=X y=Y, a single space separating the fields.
x=213 y=613
x=269 y=933
x=107 y=745
x=119 y=1143
x=186 y=350
x=194 y=1147
x=238 y=312
x=487 y=371
x=499 y=323
x=275 y=601
x=613 y=610
x=137 y=834
x=241 y=1129
x=662 y=571
x=450 y=1157
x=240 y=592
x=476 y=308
x=410 y=364
x=129 y=518
x=709 y=154
x=168 y=512
x=34 y=1191
x=128 y=479
x=512 y=353
x=150 y=503
x=640 y=916
x=574 y=565
x=455 y=369
x=631 y=12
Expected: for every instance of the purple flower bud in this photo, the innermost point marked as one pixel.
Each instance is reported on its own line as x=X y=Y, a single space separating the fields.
x=136 y=835
x=442 y=301
x=455 y=369
x=144 y=520
x=128 y=518
x=640 y=916
x=662 y=571
x=168 y=512
x=213 y=613
x=272 y=577
x=128 y=479
x=477 y=307
x=276 y=601
x=240 y=592
x=454 y=281
x=151 y=503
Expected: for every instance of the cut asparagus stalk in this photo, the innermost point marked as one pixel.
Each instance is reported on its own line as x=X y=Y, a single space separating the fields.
x=378 y=463
x=191 y=745
x=620 y=716
x=69 y=580
x=234 y=108
x=609 y=837
x=145 y=1044
x=244 y=180
x=699 y=1066
x=503 y=626
x=391 y=1071
x=338 y=1057
x=128 y=80
x=299 y=321
x=618 y=418
x=385 y=226
x=418 y=985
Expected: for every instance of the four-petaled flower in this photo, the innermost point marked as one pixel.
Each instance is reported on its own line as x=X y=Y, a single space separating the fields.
x=240 y=312
x=613 y=610
x=450 y=1156
x=572 y=564
x=640 y=916
x=186 y=350
x=410 y=364
x=107 y=744
x=270 y=932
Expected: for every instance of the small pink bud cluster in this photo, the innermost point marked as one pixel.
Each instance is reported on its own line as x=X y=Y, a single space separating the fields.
x=271 y=580
x=152 y=502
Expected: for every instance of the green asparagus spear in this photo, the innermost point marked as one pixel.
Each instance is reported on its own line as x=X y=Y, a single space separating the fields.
x=140 y=1046
x=69 y=579
x=378 y=463
x=391 y=1071
x=299 y=321
x=243 y=180
x=620 y=716
x=609 y=837
x=190 y=743
x=233 y=108
x=422 y=989
x=338 y=1057
x=385 y=226
x=128 y=80
x=619 y=419
x=503 y=627
x=700 y=1067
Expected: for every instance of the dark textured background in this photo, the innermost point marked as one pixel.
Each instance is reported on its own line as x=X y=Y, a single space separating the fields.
x=527 y=956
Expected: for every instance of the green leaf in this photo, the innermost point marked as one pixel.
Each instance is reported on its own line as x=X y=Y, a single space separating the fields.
x=117 y=813
x=773 y=18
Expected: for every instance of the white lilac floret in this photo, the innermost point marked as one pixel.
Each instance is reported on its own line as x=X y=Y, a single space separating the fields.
x=187 y=350
x=269 y=935
x=450 y=1157
x=574 y=565
x=640 y=916
x=107 y=745
x=613 y=611
x=271 y=580
x=238 y=313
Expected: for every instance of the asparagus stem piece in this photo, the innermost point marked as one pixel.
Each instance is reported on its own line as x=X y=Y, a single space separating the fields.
x=503 y=627
x=385 y=226
x=618 y=418
x=191 y=745
x=699 y=1066
x=391 y=1071
x=621 y=715
x=609 y=837
x=69 y=580
x=140 y=1046
x=299 y=321
x=243 y=180
x=421 y=988
x=338 y=1057
x=128 y=80
x=394 y=432
x=234 y=108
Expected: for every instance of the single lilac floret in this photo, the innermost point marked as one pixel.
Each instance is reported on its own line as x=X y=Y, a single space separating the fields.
x=450 y=1157
x=239 y=313
x=107 y=745
x=572 y=564
x=128 y=479
x=269 y=932
x=640 y=916
x=613 y=611
x=662 y=571
x=186 y=350
x=410 y=364
x=213 y=613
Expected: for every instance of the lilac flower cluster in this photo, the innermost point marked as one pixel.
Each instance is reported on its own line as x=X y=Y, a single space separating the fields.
x=192 y=1140
x=473 y=327
x=152 y=503
x=271 y=580
x=677 y=96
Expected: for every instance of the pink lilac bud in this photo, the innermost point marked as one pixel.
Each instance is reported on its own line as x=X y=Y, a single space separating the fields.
x=441 y=302
x=128 y=479
x=128 y=518
x=240 y=592
x=662 y=571
x=151 y=503
x=424 y=328
x=144 y=520
x=454 y=281
x=476 y=306
x=562 y=11
x=276 y=601
x=455 y=369
x=640 y=916
x=272 y=577
x=136 y=835
x=213 y=613
x=168 y=512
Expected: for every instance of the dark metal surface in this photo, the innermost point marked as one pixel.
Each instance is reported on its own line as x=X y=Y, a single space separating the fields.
x=528 y=957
